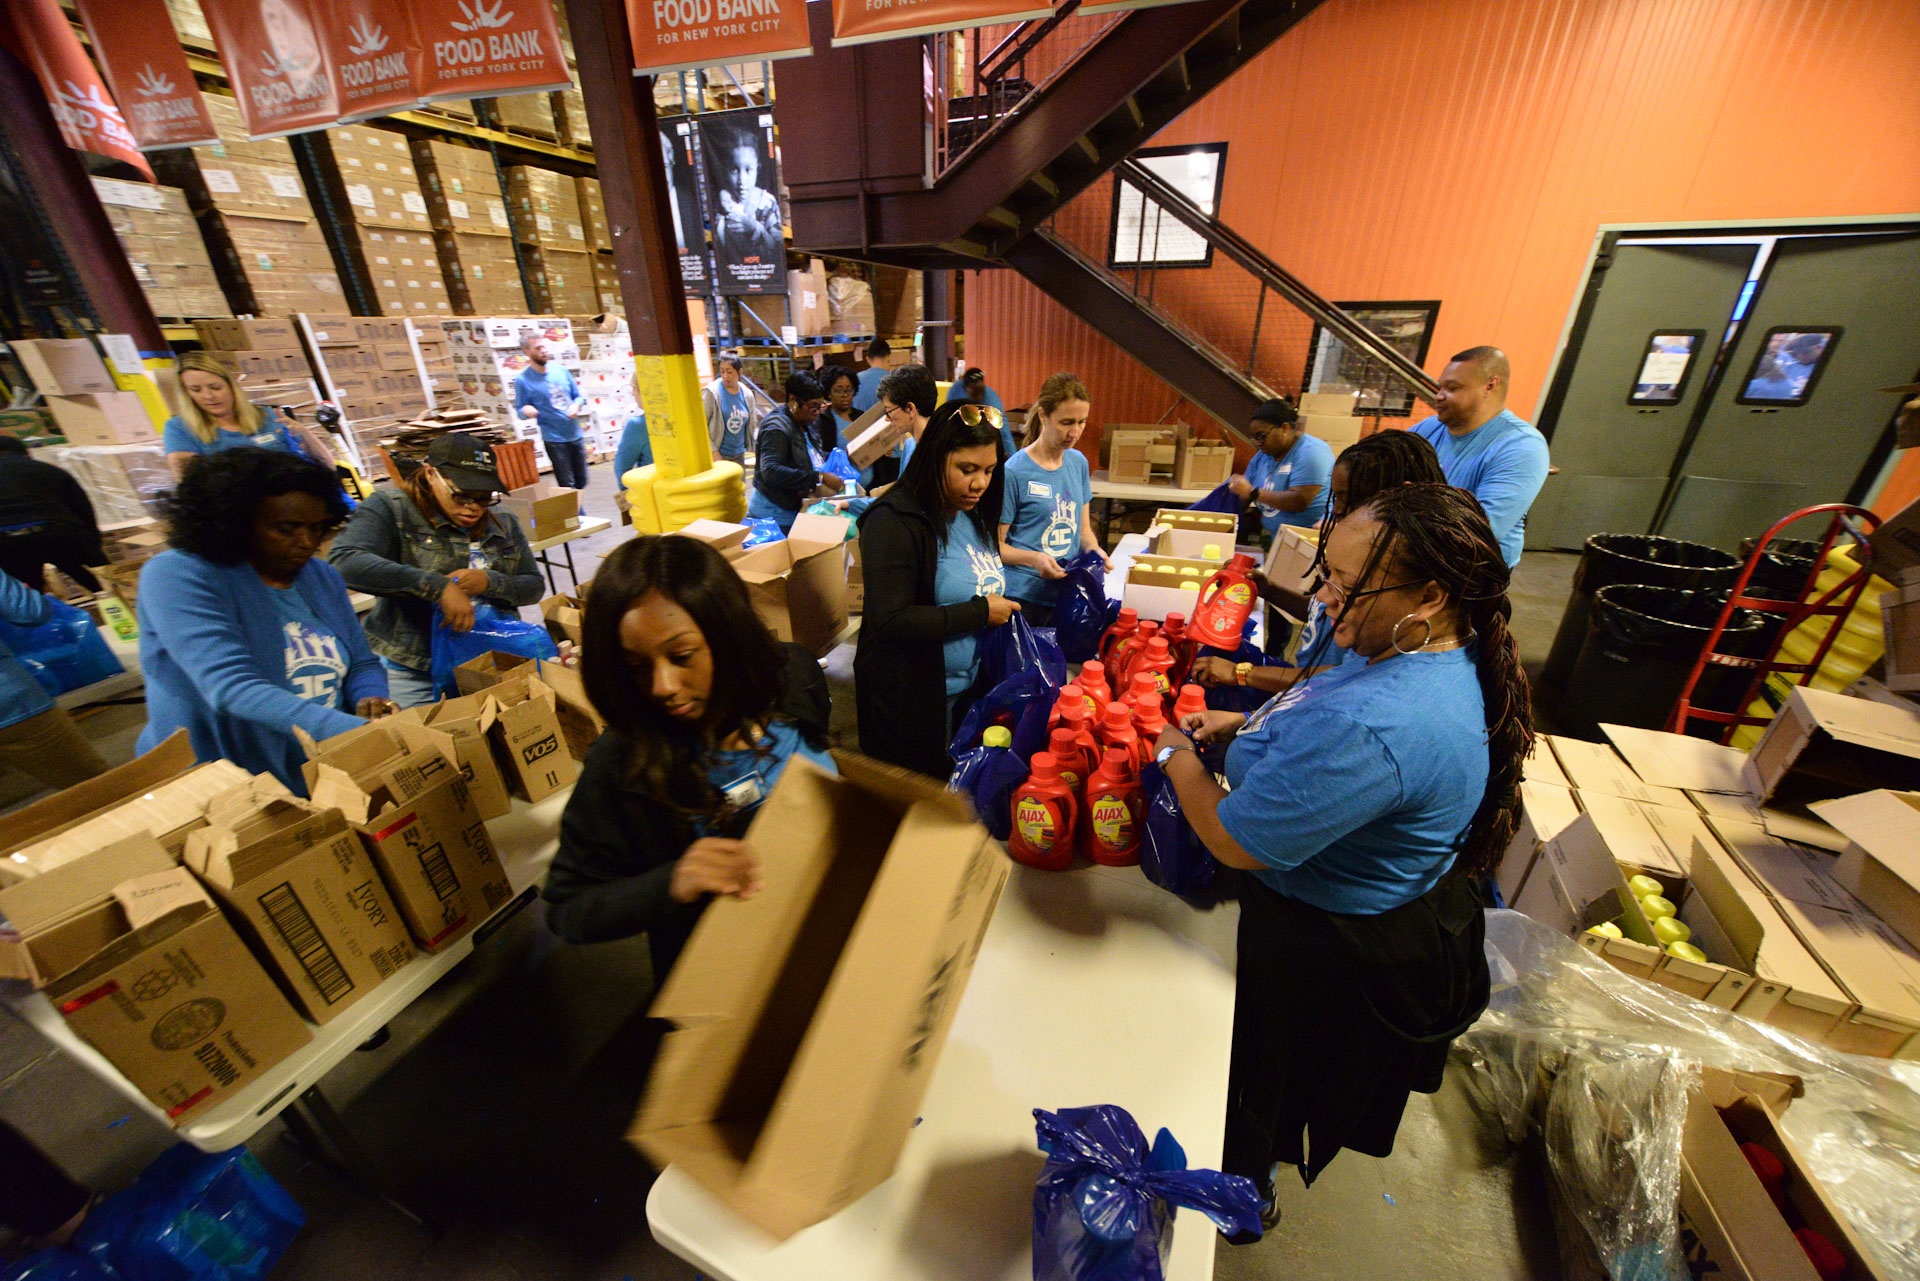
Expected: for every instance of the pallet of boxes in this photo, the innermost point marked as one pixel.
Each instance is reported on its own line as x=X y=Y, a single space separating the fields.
x=1780 y=884
x=487 y=354
x=162 y=243
x=1164 y=454
x=606 y=380
x=468 y=214
x=544 y=208
x=372 y=371
x=389 y=221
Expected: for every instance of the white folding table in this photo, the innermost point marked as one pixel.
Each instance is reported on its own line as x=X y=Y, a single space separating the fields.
x=1092 y=986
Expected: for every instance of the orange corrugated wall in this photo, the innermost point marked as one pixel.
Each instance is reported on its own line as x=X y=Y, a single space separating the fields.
x=1468 y=152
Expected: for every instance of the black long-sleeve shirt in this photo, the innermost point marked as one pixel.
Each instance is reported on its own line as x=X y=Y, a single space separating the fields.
x=45 y=516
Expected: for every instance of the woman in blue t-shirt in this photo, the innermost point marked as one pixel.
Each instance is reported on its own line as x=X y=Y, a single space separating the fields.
x=216 y=416
x=704 y=709
x=1047 y=515
x=1367 y=803
x=246 y=633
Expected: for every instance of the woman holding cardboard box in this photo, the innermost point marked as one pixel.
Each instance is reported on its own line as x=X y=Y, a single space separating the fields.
x=246 y=634
x=934 y=584
x=1048 y=515
x=1368 y=802
x=435 y=539
x=703 y=709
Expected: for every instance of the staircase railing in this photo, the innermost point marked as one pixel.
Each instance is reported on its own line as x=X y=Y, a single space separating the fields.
x=981 y=78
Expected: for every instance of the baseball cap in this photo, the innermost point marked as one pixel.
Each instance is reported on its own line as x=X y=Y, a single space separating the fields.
x=466 y=463
x=974 y=376
x=1277 y=412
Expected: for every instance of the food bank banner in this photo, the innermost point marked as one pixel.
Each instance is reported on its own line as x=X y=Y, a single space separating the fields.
x=136 y=44
x=673 y=35
x=88 y=117
x=862 y=21
x=484 y=48
x=376 y=56
x=278 y=61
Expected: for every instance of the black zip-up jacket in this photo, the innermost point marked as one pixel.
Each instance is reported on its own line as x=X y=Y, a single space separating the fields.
x=899 y=670
x=783 y=470
x=618 y=845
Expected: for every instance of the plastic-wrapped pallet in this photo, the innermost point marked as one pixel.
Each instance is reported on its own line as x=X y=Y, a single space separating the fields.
x=124 y=482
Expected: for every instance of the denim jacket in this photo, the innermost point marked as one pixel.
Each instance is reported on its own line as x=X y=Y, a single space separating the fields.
x=391 y=550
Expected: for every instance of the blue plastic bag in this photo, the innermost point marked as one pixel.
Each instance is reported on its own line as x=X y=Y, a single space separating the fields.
x=983 y=774
x=1171 y=854
x=763 y=530
x=1022 y=703
x=1084 y=611
x=1017 y=645
x=493 y=629
x=838 y=464
x=53 y=1265
x=193 y=1216
x=1104 y=1205
x=1222 y=499
x=67 y=652
x=1236 y=698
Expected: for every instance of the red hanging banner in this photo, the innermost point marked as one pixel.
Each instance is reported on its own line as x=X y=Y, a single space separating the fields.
x=484 y=48
x=89 y=118
x=136 y=44
x=861 y=21
x=276 y=56
x=376 y=56
x=672 y=35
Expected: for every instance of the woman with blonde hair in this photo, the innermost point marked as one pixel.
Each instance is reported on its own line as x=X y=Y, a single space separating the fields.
x=215 y=415
x=1046 y=517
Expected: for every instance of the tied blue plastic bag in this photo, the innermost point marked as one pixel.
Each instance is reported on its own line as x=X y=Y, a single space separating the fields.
x=1084 y=611
x=1171 y=855
x=763 y=530
x=493 y=629
x=193 y=1216
x=65 y=653
x=1021 y=704
x=1104 y=1205
x=1017 y=645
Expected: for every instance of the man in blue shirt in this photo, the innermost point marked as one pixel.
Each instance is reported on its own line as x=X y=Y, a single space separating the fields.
x=547 y=394
x=1288 y=478
x=1485 y=448
x=879 y=351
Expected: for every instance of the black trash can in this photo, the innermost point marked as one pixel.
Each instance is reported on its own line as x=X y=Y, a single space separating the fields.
x=1783 y=568
x=1641 y=642
x=1632 y=558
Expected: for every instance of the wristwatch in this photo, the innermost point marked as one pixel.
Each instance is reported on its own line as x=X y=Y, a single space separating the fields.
x=1165 y=754
x=1241 y=671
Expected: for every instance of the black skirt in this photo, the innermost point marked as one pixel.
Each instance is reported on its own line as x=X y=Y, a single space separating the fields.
x=1338 y=1018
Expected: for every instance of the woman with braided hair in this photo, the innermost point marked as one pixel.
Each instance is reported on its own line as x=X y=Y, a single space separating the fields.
x=1368 y=802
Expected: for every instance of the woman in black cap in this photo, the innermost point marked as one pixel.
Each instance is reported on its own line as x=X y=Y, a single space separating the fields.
x=434 y=540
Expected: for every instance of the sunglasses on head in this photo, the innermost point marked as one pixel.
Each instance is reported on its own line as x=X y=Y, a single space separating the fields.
x=971 y=414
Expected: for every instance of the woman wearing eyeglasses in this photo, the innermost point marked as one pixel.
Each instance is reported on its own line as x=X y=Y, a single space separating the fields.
x=436 y=539
x=245 y=633
x=1368 y=802
x=934 y=583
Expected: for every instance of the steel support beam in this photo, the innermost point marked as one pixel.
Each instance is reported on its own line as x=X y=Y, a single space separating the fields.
x=936 y=311
x=57 y=179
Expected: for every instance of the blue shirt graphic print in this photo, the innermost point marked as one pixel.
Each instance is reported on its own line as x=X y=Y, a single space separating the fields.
x=1043 y=512
x=967 y=568
x=316 y=665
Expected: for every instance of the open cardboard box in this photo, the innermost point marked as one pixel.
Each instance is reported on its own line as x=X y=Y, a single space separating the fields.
x=808 y=1019
x=416 y=815
x=565 y=615
x=1545 y=812
x=1290 y=559
x=1595 y=767
x=1160 y=585
x=580 y=723
x=304 y=892
x=1823 y=745
x=466 y=723
x=136 y=957
x=873 y=436
x=1188 y=534
x=798 y=584
x=527 y=739
x=1881 y=863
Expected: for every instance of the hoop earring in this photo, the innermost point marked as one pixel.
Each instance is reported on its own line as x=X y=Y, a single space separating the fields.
x=1394 y=639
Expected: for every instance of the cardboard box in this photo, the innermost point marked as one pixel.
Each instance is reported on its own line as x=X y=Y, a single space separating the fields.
x=1545 y=812
x=305 y=892
x=1823 y=745
x=1881 y=863
x=1203 y=465
x=1896 y=543
x=1900 y=623
x=1291 y=558
x=1341 y=404
x=809 y=1018
x=580 y=725
x=874 y=436
x=488 y=670
x=110 y=418
x=1159 y=585
x=1188 y=534
x=248 y=335
x=545 y=510
x=527 y=739
x=467 y=722
x=1142 y=454
x=63 y=366
x=415 y=812
x=799 y=584
x=564 y=614
x=145 y=969
x=1595 y=767
x=1337 y=430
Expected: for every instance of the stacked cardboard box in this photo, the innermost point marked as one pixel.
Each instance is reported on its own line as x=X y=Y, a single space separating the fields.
x=391 y=221
x=1143 y=453
x=593 y=215
x=85 y=403
x=606 y=380
x=486 y=356
x=1332 y=416
x=162 y=243
x=256 y=214
x=265 y=354
x=470 y=228
x=528 y=113
x=570 y=116
x=370 y=368
x=544 y=208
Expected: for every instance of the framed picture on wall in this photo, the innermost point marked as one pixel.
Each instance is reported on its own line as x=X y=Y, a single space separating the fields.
x=1790 y=361
x=1143 y=233
x=1665 y=366
x=1333 y=366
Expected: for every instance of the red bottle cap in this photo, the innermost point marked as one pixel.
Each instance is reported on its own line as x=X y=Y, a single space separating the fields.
x=1116 y=761
x=1118 y=719
x=1074 y=713
x=1146 y=707
x=1176 y=622
x=1127 y=618
x=1149 y=629
x=1157 y=649
x=1241 y=562
x=1192 y=699
x=1062 y=743
x=1143 y=685
x=1822 y=1253
x=1092 y=668
x=1046 y=767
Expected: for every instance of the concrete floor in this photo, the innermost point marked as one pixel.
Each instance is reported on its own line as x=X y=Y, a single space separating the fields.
x=499 y=1104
